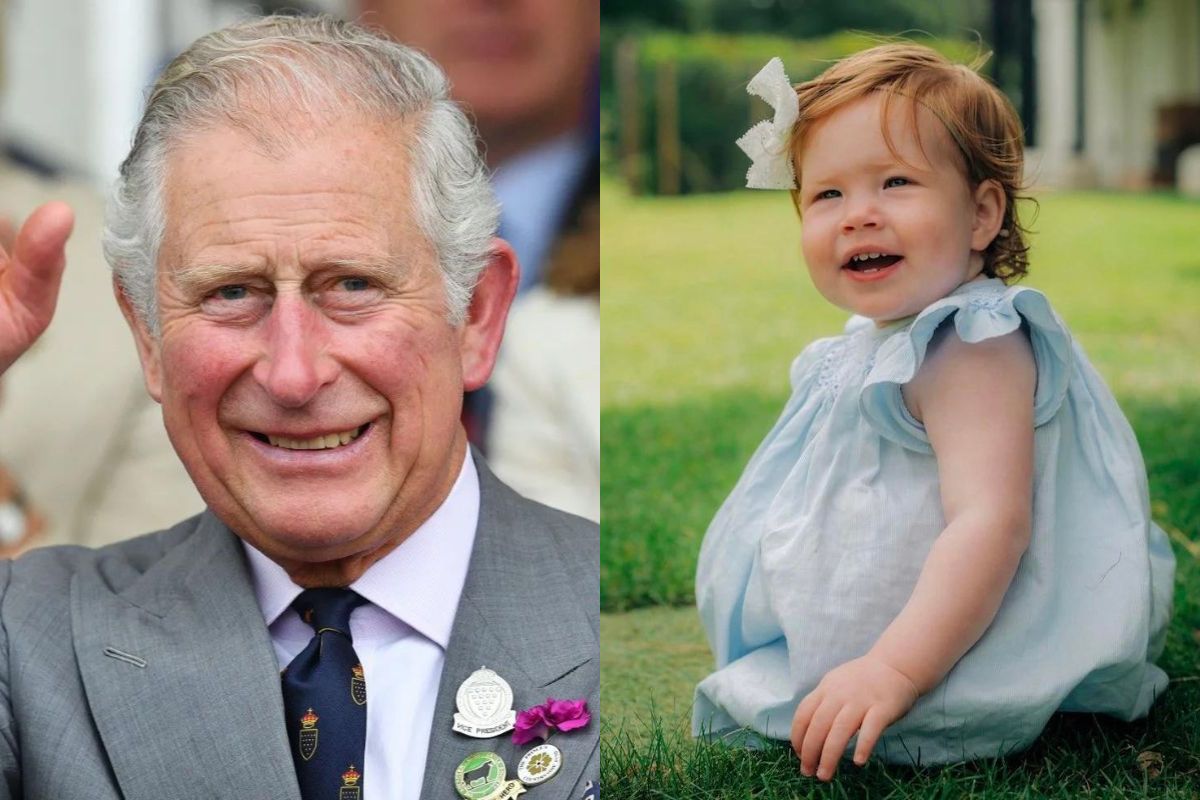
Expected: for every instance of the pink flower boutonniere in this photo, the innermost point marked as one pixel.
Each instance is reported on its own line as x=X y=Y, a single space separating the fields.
x=553 y=715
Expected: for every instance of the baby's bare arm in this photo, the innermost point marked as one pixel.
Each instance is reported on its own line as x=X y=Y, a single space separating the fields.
x=976 y=403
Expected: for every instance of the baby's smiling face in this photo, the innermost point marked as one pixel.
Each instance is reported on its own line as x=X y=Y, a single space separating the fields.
x=887 y=233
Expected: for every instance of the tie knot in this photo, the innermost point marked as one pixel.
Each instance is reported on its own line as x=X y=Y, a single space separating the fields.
x=328 y=609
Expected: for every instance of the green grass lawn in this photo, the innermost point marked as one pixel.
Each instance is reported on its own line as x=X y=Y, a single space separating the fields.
x=705 y=303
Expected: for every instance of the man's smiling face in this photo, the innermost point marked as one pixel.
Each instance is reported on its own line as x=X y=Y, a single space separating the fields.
x=309 y=378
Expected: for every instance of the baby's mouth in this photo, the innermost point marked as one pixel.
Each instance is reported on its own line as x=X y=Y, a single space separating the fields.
x=871 y=262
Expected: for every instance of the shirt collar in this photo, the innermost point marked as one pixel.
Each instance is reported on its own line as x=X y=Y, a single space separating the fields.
x=418 y=583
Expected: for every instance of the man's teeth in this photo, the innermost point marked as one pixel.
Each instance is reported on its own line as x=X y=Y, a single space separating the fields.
x=316 y=443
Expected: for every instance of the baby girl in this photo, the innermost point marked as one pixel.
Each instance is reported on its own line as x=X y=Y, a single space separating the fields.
x=946 y=537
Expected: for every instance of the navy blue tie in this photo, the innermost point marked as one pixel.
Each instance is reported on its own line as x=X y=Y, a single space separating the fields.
x=325 y=700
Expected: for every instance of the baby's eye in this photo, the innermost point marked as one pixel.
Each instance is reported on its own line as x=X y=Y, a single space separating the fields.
x=896 y=181
x=827 y=194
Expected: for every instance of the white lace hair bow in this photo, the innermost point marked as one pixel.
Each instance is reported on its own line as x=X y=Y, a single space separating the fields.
x=767 y=142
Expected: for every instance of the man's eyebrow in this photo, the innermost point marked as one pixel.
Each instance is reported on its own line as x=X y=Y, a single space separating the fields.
x=382 y=270
x=197 y=277
x=200 y=277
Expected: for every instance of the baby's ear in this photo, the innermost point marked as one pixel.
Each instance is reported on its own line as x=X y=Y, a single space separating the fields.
x=990 y=205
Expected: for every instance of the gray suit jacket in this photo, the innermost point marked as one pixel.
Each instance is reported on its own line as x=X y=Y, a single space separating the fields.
x=144 y=669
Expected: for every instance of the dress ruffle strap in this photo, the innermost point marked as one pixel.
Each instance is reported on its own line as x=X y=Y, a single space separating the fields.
x=979 y=312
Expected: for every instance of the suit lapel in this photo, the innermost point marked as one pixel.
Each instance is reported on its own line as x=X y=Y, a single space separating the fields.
x=180 y=675
x=519 y=616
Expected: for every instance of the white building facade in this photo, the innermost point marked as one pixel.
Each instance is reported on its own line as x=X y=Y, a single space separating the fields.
x=1118 y=84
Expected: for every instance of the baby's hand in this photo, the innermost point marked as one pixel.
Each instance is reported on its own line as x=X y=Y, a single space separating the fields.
x=865 y=696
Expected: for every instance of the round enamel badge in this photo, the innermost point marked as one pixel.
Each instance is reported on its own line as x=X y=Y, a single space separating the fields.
x=479 y=776
x=539 y=765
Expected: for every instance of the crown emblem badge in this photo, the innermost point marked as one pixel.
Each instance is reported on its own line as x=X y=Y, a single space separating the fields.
x=484 y=705
x=308 y=735
x=350 y=789
x=358 y=685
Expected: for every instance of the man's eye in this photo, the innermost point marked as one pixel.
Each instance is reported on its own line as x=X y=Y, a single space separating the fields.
x=897 y=181
x=232 y=292
x=355 y=284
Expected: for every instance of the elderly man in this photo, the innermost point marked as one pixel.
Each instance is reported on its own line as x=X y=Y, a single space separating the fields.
x=302 y=245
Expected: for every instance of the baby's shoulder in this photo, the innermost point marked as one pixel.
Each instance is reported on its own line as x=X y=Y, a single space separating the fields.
x=971 y=371
x=981 y=324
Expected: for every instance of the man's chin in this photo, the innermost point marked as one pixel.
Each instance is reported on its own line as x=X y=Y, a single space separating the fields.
x=309 y=537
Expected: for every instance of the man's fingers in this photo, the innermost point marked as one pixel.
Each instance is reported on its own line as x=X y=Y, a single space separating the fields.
x=814 y=738
x=843 y=727
x=38 y=256
x=868 y=735
x=41 y=241
x=8 y=233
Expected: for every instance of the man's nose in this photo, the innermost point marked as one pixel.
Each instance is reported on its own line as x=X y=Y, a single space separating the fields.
x=859 y=211
x=295 y=365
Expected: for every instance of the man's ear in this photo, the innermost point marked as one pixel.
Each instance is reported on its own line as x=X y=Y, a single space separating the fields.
x=480 y=336
x=147 y=345
x=990 y=205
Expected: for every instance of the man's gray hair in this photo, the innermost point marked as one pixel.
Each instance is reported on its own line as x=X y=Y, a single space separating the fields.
x=250 y=75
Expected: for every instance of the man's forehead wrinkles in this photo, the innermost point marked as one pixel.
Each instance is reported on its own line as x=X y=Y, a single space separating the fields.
x=288 y=203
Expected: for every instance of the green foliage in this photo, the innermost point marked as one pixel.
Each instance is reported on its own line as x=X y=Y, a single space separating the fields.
x=712 y=71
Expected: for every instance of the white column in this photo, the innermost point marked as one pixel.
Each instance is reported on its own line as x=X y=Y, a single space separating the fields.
x=126 y=47
x=1055 y=50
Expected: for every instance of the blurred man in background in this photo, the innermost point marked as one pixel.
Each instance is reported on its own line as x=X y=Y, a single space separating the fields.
x=526 y=69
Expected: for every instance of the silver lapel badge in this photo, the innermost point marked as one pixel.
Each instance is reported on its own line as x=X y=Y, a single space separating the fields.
x=484 y=705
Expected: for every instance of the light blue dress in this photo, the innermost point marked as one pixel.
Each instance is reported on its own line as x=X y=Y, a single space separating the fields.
x=821 y=542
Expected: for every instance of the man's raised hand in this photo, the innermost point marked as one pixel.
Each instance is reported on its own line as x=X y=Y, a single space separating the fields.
x=30 y=274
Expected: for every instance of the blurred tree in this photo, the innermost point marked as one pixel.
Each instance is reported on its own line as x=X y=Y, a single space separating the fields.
x=803 y=18
x=660 y=13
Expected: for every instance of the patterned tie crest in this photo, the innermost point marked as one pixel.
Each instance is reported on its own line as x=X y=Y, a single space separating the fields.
x=308 y=735
x=350 y=789
x=358 y=686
